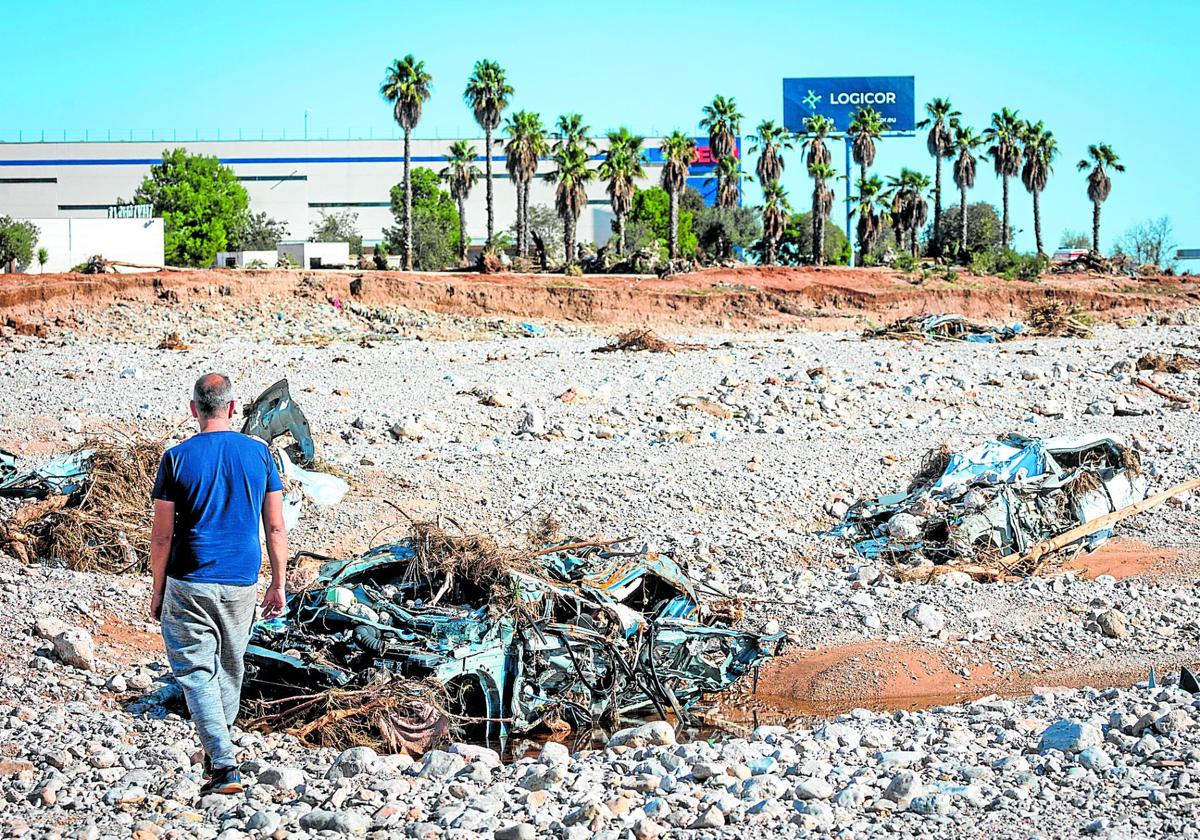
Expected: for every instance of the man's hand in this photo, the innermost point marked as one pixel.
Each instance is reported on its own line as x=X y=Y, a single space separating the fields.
x=156 y=605
x=272 y=602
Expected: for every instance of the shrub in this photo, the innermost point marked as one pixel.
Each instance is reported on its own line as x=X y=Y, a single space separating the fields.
x=906 y=263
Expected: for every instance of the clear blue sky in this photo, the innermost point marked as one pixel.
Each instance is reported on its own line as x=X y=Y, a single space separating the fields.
x=1094 y=71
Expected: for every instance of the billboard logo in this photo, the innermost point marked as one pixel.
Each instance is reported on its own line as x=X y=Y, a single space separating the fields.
x=839 y=97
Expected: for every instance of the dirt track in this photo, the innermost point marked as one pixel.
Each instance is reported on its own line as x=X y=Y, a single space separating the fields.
x=752 y=297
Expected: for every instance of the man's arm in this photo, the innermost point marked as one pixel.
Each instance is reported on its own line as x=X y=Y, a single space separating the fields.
x=160 y=550
x=277 y=552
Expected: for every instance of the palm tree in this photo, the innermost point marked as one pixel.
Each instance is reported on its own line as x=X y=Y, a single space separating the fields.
x=678 y=152
x=723 y=122
x=866 y=127
x=487 y=93
x=1039 y=153
x=775 y=212
x=909 y=210
x=966 y=141
x=873 y=213
x=769 y=141
x=621 y=167
x=818 y=128
x=817 y=131
x=940 y=144
x=407 y=86
x=1005 y=136
x=822 y=203
x=460 y=174
x=729 y=180
x=1103 y=158
x=572 y=131
x=570 y=194
x=526 y=145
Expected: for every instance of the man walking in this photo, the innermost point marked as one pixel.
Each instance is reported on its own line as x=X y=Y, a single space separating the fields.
x=211 y=493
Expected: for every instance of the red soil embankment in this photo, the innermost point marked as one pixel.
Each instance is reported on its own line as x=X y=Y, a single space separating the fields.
x=749 y=297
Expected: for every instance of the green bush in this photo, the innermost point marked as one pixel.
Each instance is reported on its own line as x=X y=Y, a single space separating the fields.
x=906 y=263
x=1009 y=264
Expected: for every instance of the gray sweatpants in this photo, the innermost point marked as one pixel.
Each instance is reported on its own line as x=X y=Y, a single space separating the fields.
x=206 y=627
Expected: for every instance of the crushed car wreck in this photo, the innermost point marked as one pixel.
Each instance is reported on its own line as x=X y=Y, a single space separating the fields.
x=986 y=509
x=575 y=635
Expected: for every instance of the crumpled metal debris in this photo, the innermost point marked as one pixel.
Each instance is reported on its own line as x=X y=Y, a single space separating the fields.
x=998 y=500
x=580 y=636
x=944 y=328
x=60 y=476
x=274 y=413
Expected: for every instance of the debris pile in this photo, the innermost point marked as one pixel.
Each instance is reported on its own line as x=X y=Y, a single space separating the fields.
x=94 y=512
x=574 y=635
x=1058 y=318
x=96 y=516
x=990 y=510
x=943 y=328
x=1175 y=363
x=645 y=339
x=173 y=341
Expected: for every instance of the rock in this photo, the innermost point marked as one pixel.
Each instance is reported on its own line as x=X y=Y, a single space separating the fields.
x=903 y=787
x=813 y=788
x=352 y=762
x=554 y=753
x=439 y=764
x=1112 y=624
x=282 y=778
x=926 y=617
x=76 y=648
x=711 y=818
x=655 y=733
x=646 y=829
x=904 y=527
x=1069 y=736
x=47 y=627
x=532 y=423
x=1129 y=406
x=516 y=831
x=1094 y=758
x=1101 y=408
x=408 y=429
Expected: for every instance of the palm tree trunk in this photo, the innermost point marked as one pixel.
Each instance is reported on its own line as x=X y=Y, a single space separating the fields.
x=520 y=218
x=462 y=230
x=1037 y=223
x=962 y=226
x=525 y=213
x=408 y=261
x=621 y=234
x=937 y=206
x=1096 y=228
x=770 y=250
x=1007 y=229
x=487 y=153
x=673 y=231
x=567 y=255
x=817 y=250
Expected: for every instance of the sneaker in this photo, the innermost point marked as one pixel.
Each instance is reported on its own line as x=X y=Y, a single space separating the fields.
x=225 y=780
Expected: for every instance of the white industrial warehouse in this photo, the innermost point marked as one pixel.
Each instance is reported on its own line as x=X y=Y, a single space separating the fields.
x=293 y=181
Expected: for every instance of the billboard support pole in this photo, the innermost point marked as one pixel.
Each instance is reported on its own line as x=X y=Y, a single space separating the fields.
x=849 y=238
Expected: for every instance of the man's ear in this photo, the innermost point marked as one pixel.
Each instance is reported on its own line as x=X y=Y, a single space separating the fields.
x=192 y=408
x=232 y=409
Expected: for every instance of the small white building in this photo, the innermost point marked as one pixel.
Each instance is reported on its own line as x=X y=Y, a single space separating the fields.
x=70 y=242
x=316 y=254
x=245 y=259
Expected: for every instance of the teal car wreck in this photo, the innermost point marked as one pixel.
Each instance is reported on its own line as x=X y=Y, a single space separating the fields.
x=582 y=635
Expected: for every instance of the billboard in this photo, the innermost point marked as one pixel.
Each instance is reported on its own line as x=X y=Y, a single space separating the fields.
x=838 y=97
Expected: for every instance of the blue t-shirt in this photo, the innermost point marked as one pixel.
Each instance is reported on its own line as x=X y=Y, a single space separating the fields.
x=217 y=481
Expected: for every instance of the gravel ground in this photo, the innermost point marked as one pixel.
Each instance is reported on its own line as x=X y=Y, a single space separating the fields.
x=734 y=456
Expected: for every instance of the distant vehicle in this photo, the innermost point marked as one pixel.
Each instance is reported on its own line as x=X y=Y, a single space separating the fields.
x=1065 y=255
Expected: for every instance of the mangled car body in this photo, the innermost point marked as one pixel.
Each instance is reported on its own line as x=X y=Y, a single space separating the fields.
x=998 y=500
x=578 y=636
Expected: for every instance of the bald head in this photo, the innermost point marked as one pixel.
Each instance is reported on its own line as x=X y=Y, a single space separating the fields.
x=211 y=395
